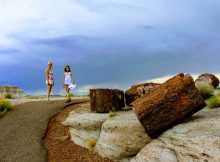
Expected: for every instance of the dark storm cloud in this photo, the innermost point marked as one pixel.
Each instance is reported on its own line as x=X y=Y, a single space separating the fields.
x=110 y=41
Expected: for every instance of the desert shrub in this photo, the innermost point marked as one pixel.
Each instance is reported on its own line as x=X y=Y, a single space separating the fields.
x=113 y=109
x=111 y=114
x=217 y=92
x=5 y=106
x=213 y=102
x=2 y=113
x=8 y=96
x=71 y=95
x=91 y=143
x=35 y=97
x=205 y=89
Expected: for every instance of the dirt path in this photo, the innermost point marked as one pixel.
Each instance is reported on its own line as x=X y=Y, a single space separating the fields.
x=23 y=128
x=58 y=140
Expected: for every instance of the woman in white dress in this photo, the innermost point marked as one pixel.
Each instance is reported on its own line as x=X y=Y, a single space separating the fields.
x=49 y=80
x=68 y=81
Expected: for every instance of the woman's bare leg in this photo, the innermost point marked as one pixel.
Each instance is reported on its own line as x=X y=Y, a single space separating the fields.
x=67 y=92
x=49 y=87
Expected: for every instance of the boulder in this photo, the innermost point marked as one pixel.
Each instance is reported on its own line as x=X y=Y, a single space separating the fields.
x=105 y=100
x=14 y=91
x=136 y=91
x=85 y=126
x=208 y=78
x=122 y=136
x=168 y=105
x=196 y=140
x=119 y=137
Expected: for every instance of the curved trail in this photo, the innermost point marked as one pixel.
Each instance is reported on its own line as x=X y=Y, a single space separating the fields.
x=23 y=128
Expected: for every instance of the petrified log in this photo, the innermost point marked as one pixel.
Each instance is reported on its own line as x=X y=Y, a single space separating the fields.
x=208 y=78
x=105 y=100
x=168 y=105
x=136 y=91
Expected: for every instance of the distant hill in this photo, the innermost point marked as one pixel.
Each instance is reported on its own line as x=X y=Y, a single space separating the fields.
x=14 y=91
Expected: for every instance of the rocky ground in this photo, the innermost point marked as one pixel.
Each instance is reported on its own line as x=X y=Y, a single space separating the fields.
x=122 y=137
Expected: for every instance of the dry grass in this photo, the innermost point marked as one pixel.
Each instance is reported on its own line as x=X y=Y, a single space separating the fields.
x=91 y=143
x=213 y=102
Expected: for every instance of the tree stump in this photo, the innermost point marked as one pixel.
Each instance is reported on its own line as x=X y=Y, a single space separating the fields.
x=105 y=100
x=168 y=105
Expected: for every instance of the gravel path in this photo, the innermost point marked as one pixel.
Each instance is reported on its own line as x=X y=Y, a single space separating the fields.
x=23 y=128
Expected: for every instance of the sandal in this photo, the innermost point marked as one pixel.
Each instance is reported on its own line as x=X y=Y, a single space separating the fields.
x=49 y=101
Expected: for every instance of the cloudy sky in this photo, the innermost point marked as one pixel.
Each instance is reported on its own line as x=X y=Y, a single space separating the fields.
x=107 y=43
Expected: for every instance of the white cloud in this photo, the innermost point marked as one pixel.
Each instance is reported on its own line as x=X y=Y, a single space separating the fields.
x=43 y=18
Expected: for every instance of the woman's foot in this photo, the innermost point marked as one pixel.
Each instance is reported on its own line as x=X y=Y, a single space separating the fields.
x=49 y=101
x=68 y=100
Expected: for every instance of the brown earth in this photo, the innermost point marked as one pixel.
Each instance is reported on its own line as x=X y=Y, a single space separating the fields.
x=58 y=144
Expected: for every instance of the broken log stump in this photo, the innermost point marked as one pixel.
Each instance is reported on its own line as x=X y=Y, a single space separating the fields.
x=168 y=105
x=105 y=100
x=136 y=91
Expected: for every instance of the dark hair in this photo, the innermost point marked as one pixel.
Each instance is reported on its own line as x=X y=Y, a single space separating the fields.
x=67 y=67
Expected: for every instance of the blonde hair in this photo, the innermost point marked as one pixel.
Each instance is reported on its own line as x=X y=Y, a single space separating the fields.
x=50 y=63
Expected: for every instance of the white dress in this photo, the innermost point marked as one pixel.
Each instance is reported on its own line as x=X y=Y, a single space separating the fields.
x=68 y=79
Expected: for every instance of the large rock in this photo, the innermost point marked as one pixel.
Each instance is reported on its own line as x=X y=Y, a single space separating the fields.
x=196 y=140
x=119 y=137
x=208 y=78
x=105 y=100
x=85 y=126
x=122 y=136
x=136 y=91
x=168 y=105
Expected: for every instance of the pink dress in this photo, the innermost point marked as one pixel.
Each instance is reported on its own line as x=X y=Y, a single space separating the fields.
x=51 y=78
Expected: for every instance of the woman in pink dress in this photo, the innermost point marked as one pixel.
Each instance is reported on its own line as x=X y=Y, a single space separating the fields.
x=49 y=80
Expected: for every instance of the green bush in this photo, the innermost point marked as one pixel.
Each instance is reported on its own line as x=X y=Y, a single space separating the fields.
x=5 y=106
x=213 y=102
x=205 y=89
x=8 y=96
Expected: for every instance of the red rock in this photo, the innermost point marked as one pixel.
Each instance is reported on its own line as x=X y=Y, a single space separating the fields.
x=105 y=100
x=136 y=91
x=168 y=105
